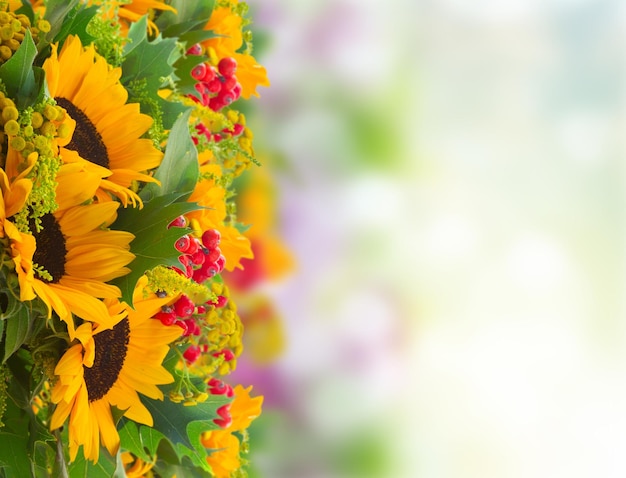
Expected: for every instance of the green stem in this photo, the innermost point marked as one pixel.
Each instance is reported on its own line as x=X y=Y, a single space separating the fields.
x=60 y=465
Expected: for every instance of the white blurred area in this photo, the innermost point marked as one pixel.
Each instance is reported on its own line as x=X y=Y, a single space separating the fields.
x=461 y=298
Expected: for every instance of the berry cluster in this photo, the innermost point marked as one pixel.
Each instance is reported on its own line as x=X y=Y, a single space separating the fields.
x=202 y=258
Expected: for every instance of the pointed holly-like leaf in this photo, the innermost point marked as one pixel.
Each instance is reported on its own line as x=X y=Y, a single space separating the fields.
x=107 y=466
x=182 y=425
x=178 y=172
x=186 y=83
x=150 y=60
x=197 y=454
x=140 y=440
x=149 y=64
x=154 y=242
x=137 y=33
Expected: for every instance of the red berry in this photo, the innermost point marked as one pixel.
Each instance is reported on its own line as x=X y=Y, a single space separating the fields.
x=221 y=301
x=209 y=74
x=225 y=418
x=184 y=306
x=180 y=221
x=182 y=243
x=229 y=83
x=201 y=310
x=195 y=50
x=193 y=246
x=214 y=86
x=216 y=104
x=211 y=239
x=202 y=88
x=238 y=129
x=198 y=72
x=166 y=318
x=227 y=354
x=237 y=90
x=226 y=97
x=184 y=259
x=192 y=353
x=220 y=263
x=200 y=275
x=188 y=327
x=217 y=387
x=213 y=255
x=198 y=257
x=227 y=66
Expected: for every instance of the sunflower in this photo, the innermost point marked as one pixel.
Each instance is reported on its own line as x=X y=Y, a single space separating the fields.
x=68 y=258
x=108 y=130
x=108 y=367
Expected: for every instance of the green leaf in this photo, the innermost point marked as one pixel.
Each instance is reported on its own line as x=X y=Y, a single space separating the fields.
x=184 y=469
x=17 y=73
x=178 y=172
x=154 y=242
x=150 y=60
x=183 y=425
x=75 y=23
x=17 y=331
x=14 y=459
x=107 y=466
x=188 y=16
x=19 y=386
x=186 y=83
x=56 y=12
x=149 y=64
x=137 y=33
x=44 y=455
x=171 y=111
x=196 y=36
x=130 y=440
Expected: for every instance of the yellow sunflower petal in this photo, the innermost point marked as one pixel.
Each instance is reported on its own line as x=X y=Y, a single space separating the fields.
x=84 y=219
x=83 y=305
x=108 y=433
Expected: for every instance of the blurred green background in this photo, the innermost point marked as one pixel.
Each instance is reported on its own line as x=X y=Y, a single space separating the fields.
x=450 y=179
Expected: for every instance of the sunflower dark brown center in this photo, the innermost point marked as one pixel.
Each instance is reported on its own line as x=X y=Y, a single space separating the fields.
x=50 y=252
x=86 y=140
x=111 y=348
